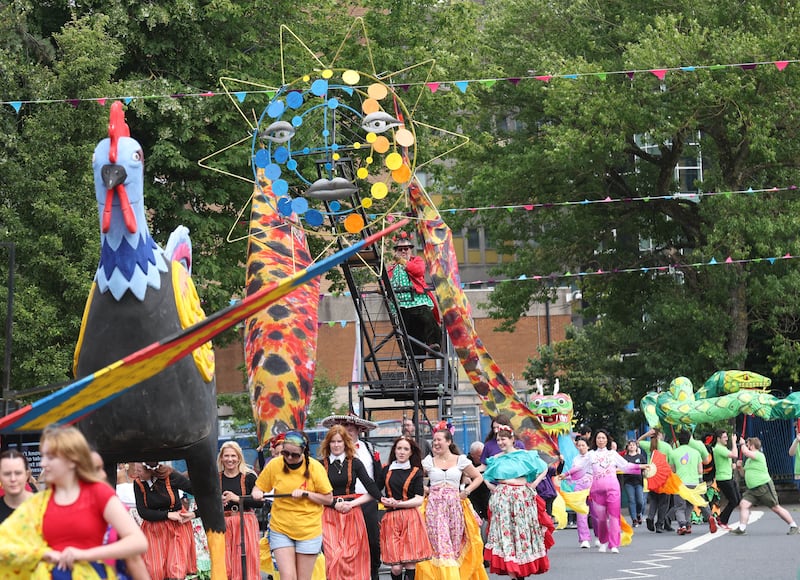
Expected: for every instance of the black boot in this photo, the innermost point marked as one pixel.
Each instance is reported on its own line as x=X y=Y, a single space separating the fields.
x=410 y=574
x=397 y=576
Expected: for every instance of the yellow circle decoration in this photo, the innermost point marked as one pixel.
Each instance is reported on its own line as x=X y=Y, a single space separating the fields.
x=306 y=78
x=357 y=145
x=362 y=173
x=402 y=174
x=393 y=160
x=381 y=144
x=369 y=160
x=354 y=223
x=379 y=190
x=367 y=202
x=351 y=77
x=327 y=73
x=336 y=157
x=377 y=91
x=371 y=137
x=404 y=137
x=370 y=106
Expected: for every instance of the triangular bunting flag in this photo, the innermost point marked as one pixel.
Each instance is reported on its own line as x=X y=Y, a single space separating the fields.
x=781 y=64
x=240 y=96
x=462 y=86
x=433 y=87
x=514 y=81
x=543 y=78
x=660 y=73
x=15 y=105
x=488 y=82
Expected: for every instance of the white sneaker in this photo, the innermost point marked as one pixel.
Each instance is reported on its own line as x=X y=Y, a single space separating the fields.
x=615 y=550
x=596 y=543
x=585 y=544
x=602 y=548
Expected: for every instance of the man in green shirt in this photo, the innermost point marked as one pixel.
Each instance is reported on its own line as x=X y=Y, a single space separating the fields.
x=760 y=489
x=723 y=464
x=687 y=463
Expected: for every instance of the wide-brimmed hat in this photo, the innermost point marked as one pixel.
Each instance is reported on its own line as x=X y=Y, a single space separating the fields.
x=360 y=423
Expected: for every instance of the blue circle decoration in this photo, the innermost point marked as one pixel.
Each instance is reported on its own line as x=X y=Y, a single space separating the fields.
x=335 y=206
x=319 y=87
x=261 y=158
x=333 y=103
x=272 y=172
x=285 y=206
x=294 y=99
x=299 y=205
x=326 y=133
x=291 y=165
x=281 y=154
x=276 y=109
x=297 y=120
x=314 y=218
x=280 y=187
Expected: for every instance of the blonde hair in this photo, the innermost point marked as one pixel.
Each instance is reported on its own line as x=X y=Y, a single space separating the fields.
x=238 y=450
x=349 y=447
x=68 y=443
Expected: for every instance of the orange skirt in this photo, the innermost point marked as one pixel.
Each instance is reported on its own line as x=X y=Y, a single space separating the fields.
x=233 y=546
x=345 y=544
x=170 y=549
x=404 y=538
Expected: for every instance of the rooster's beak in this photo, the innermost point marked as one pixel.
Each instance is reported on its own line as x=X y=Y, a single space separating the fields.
x=113 y=175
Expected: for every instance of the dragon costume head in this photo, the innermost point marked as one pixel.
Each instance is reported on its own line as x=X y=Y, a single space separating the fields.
x=553 y=411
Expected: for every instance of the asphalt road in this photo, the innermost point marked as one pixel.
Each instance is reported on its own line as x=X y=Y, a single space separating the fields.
x=765 y=553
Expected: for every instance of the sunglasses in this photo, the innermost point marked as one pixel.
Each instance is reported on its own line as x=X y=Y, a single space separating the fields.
x=290 y=455
x=403 y=249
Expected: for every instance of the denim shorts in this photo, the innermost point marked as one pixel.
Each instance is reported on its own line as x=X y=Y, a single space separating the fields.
x=278 y=540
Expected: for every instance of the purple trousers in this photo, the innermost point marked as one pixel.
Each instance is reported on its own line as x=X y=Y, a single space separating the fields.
x=605 y=509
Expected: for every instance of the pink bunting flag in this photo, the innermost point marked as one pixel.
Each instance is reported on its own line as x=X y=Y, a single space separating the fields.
x=544 y=78
x=101 y=101
x=729 y=260
x=660 y=73
x=788 y=256
x=433 y=87
x=528 y=207
x=781 y=64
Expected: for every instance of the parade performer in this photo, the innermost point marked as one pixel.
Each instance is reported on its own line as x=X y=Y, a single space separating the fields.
x=580 y=475
x=344 y=534
x=520 y=530
x=723 y=466
x=452 y=524
x=404 y=539
x=237 y=480
x=295 y=534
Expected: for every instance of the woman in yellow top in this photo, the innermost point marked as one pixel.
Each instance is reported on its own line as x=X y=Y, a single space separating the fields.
x=302 y=489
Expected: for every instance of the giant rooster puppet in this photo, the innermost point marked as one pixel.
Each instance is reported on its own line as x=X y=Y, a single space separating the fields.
x=141 y=294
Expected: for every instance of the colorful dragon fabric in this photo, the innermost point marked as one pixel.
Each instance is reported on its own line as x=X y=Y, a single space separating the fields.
x=726 y=394
x=494 y=389
x=281 y=340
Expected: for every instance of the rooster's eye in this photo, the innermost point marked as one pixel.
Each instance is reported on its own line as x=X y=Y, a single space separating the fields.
x=278 y=132
x=136 y=156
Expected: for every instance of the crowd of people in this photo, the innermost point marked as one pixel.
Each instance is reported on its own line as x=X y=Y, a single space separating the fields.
x=443 y=515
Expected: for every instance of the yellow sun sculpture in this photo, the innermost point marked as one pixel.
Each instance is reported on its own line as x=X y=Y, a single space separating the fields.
x=337 y=146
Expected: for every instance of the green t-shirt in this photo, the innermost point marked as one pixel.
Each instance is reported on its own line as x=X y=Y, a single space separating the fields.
x=663 y=447
x=722 y=463
x=755 y=470
x=686 y=460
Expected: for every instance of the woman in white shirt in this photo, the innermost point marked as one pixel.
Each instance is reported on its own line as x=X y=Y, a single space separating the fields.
x=452 y=524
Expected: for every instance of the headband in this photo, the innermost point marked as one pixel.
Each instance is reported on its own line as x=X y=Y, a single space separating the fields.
x=295 y=438
x=507 y=428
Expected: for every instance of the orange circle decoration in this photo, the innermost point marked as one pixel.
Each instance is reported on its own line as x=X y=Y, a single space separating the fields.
x=381 y=144
x=404 y=137
x=354 y=223
x=393 y=160
x=370 y=106
x=401 y=174
x=377 y=91
x=379 y=190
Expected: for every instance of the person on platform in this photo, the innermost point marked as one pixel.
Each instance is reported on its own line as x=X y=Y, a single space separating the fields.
x=760 y=489
x=355 y=427
x=166 y=524
x=407 y=275
x=13 y=477
x=520 y=529
x=62 y=529
x=404 y=539
x=302 y=491
x=344 y=533
x=237 y=480
x=451 y=523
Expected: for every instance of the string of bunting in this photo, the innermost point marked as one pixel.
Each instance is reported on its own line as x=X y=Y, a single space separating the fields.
x=671 y=268
x=461 y=85
x=691 y=196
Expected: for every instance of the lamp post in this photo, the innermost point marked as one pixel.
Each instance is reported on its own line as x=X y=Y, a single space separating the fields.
x=6 y=386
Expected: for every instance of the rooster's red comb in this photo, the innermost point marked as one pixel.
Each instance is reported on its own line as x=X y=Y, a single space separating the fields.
x=116 y=128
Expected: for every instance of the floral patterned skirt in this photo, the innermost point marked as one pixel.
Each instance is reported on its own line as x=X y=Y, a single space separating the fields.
x=520 y=532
